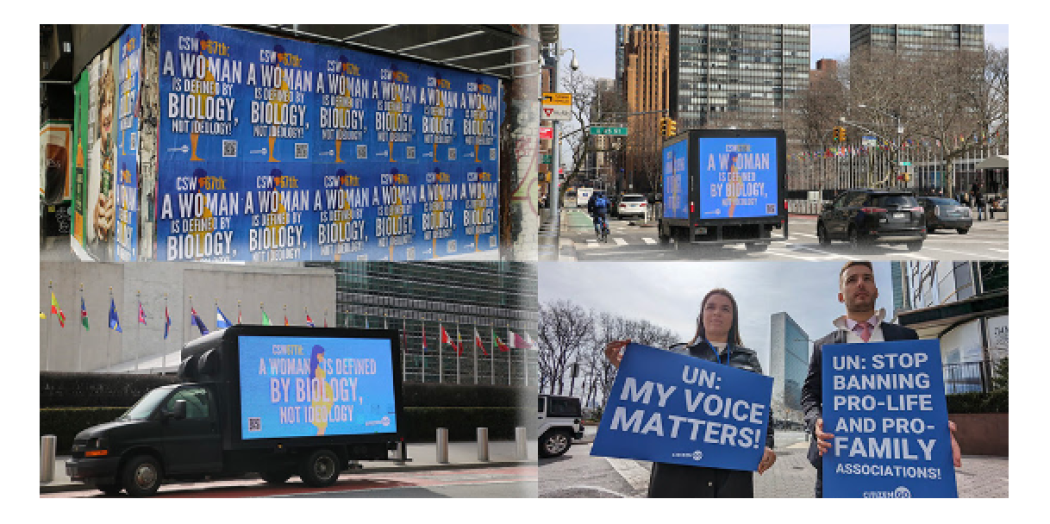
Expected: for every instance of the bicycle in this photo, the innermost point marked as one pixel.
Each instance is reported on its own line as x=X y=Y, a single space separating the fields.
x=603 y=232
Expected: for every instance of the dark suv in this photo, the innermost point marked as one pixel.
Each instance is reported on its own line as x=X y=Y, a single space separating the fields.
x=867 y=216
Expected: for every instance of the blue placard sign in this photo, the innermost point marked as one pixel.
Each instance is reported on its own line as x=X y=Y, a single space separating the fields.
x=884 y=403
x=666 y=407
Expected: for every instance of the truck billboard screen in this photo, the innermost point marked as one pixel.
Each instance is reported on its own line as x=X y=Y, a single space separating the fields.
x=675 y=172
x=305 y=387
x=738 y=177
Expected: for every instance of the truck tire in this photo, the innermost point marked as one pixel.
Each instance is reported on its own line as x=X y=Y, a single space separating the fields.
x=141 y=476
x=110 y=489
x=275 y=477
x=914 y=246
x=554 y=443
x=320 y=469
x=822 y=235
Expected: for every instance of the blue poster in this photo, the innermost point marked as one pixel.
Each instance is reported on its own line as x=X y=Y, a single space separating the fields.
x=884 y=403
x=671 y=408
x=299 y=387
x=738 y=177
x=325 y=153
x=127 y=190
x=676 y=180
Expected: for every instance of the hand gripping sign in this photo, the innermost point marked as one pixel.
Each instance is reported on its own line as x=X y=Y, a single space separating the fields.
x=885 y=404
x=671 y=408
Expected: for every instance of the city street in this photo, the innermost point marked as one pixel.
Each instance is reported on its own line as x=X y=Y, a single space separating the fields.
x=630 y=240
x=578 y=474
x=500 y=482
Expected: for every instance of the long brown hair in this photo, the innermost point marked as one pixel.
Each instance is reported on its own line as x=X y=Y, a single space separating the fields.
x=734 y=330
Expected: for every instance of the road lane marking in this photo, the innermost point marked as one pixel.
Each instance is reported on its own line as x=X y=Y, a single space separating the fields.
x=648 y=240
x=635 y=474
x=620 y=241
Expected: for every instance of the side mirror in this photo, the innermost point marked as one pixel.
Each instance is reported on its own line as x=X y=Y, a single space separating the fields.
x=180 y=410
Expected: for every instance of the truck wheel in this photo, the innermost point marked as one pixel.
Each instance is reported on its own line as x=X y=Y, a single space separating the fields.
x=275 y=477
x=109 y=489
x=914 y=246
x=756 y=248
x=963 y=230
x=321 y=469
x=141 y=476
x=555 y=443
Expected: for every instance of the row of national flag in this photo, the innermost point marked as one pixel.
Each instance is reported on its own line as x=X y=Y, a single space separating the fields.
x=515 y=340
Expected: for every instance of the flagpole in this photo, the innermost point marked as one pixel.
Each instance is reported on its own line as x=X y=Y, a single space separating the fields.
x=510 y=357
x=492 y=363
x=423 y=325
x=238 y=312
x=475 y=358
x=441 y=358
x=80 y=333
x=525 y=364
x=164 y=353
x=404 y=331
x=47 y=330
x=109 y=334
x=459 y=350
x=138 y=330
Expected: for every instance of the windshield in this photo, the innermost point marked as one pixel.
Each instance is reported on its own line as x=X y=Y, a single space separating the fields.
x=146 y=405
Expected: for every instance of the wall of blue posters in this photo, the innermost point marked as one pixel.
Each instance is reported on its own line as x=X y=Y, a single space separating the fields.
x=738 y=177
x=127 y=190
x=884 y=403
x=273 y=149
x=300 y=387
x=666 y=407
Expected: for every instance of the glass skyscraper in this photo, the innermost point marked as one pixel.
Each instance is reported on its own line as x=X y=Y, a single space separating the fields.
x=492 y=299
x=789 y=364
x=916 y=39
x=726 y=74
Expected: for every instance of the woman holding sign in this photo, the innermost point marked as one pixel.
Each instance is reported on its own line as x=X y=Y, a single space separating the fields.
x=717 y=339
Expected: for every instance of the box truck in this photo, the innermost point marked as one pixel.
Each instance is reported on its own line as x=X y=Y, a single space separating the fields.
x=273 y=400
x=724 y=186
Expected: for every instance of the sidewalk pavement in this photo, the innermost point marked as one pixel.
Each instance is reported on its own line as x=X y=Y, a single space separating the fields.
x=794 y=477
x=422 y=457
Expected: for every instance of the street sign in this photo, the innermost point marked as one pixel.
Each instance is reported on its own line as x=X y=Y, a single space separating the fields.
x=556 y=106
x=609 y=130
x=868 y=141
x=905 y=163
x=546 y=133
x=546 y=159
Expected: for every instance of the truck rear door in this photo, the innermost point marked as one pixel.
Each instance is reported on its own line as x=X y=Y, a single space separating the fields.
x=193 y=444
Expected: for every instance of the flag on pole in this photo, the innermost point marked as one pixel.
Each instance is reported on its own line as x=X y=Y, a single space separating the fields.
x=286 y=319
x=424 y=324
x=266 y=318
x=366 y=321
x=309 y=321
x=55 y=310
x=499 y=343
x=477 y=342
x=167 y=322
x=196 y=320
x=445 y=339
x=239 y=321
x=114 y=320
x=404 y=334
x=83 y=315
x=326 y=318
x=517 y=342
x=221 y=322
x=142 y=314
x=459 y=342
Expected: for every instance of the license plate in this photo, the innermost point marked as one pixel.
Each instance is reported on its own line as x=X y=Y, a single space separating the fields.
x=899 y=215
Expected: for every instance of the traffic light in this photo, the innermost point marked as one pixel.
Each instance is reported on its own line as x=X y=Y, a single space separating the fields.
x=842 y=134
x=663 y=127
x=835 y=134
x=672 y=127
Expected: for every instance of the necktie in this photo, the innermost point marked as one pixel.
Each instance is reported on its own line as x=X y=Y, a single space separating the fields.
x=863 y=330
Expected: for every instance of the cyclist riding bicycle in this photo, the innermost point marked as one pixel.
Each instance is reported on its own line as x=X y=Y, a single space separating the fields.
x=598 y=207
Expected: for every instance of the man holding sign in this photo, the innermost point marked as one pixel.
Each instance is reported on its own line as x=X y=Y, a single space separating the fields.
x=862 y=324
x=700 y=412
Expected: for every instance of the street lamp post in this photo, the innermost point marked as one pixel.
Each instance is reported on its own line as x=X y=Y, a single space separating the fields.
x=900 y=133
x=556 y=138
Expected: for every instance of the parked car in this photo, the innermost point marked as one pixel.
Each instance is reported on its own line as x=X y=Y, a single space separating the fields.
x=868 y=216
x=630 y=205
x=560 y=421
x=946 y=213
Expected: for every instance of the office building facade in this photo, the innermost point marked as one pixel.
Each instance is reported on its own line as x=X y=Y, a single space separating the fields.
x=494 y=299
x=646 y=94
x=742 y=75
x=916 y=39
x=789 y=363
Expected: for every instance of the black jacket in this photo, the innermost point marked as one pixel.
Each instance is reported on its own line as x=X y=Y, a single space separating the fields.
x=812 y=388
x=673 y=480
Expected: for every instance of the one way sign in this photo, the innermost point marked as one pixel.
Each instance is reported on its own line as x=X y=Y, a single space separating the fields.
x=557 y=106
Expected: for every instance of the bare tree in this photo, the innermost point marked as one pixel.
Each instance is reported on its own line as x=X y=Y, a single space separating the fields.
x=564 y=328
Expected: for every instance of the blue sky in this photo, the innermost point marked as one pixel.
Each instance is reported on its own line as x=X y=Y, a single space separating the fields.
x=669 y=293
x=595 y=44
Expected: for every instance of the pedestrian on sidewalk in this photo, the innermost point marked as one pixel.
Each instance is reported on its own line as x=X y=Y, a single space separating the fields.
x=860 y=324
x=717 y=339
x=979 y=198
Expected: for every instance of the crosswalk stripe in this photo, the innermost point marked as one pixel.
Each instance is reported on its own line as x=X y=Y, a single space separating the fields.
x=620 y=241
x=649 y=240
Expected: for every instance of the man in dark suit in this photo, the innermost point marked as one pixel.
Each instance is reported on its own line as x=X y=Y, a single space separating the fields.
x=860 y=324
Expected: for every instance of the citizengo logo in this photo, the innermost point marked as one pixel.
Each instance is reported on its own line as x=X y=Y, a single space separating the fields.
x=696 y=455
x=900 y=493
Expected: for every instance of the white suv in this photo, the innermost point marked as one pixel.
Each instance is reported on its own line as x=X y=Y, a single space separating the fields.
x=560 y=421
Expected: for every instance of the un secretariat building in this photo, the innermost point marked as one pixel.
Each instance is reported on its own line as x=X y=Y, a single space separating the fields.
x=789 y=363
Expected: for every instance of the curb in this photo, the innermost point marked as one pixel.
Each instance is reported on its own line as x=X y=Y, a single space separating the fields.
x=63 y=488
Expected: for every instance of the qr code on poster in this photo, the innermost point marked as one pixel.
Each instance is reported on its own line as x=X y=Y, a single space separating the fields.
x=771 y=208
x=410 y=253
x=362 y=152
x=492 y=242
x=302 y=151
x=451 y=246
x=410 y=152
x=451 y=153
x=492 y=153
x=254 y=424
x=134 y=142
x=229 y=148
